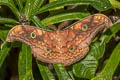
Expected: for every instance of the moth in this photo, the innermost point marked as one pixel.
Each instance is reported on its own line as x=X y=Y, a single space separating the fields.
x=65 y=46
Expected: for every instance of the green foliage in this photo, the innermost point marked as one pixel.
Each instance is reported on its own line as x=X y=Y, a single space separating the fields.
x=103 y=4
x=60 y=70
x=115 y=3
x=25 y=64
x=42 y=14
x=45 y=72
x=3 y=52
x=111 y=65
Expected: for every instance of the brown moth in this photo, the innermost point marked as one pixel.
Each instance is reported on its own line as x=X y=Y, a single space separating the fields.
x=61 y=46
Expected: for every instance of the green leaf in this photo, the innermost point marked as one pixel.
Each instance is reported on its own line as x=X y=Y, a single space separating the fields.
x=32 y=6
x=55 y=10
x=61 y=72
x=110 y=32
x=63 y=17
x=111 y=65
x=8 y=20
x=97 y=49
x=25 y=64
x=3 y=34
x=11 y=5
x=28 y=8
x=115 y=3
x=20 y=4
x=103 y=4
x=71 y=74
x=36 y=5
x=45 y=72
x=38 y=23
x=86 y=68
x=3 y=52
